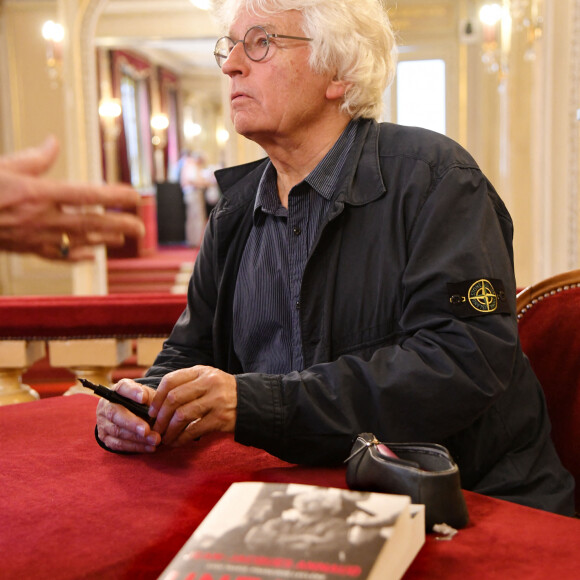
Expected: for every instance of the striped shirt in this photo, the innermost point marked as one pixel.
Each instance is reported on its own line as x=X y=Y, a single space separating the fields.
x=266 y=325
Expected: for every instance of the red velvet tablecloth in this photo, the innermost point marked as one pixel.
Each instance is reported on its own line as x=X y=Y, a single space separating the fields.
x=69 y=510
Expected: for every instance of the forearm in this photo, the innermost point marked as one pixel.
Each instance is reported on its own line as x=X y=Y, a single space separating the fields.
x=417 y=390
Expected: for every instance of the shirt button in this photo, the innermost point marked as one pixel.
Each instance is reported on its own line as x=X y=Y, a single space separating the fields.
x=297 y=231
x=298 y=305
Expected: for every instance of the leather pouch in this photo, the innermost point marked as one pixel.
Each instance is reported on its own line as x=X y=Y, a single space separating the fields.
x=424 y=471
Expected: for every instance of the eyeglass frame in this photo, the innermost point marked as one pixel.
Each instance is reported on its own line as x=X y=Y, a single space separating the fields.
x=221 y=58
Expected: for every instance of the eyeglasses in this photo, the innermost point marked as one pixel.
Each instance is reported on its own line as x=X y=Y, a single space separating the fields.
x=256 y=44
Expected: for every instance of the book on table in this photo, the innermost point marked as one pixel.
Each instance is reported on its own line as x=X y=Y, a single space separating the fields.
x=275 y=531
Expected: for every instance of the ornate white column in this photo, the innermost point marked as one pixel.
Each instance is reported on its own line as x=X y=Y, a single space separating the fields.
x=82 y=123
x=574 y=120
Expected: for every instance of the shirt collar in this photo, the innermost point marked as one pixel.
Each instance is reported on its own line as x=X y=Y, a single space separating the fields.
x=323 y=178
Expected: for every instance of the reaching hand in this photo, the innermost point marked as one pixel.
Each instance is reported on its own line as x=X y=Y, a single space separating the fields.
x=56 y=219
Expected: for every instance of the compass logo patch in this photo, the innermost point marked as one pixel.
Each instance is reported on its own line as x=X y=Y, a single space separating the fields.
x=478 y=297
x=482 y=296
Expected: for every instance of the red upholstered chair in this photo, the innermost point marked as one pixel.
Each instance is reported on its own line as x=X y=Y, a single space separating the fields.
x=549 y=328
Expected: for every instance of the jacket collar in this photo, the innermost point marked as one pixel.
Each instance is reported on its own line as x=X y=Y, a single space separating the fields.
x=363 y=181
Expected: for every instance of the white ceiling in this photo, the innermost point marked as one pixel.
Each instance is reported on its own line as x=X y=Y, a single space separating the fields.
x=173 y=32
x=185 y=55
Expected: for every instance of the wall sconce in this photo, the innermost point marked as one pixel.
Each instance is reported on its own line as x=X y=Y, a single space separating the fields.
x=526 y=15
x=201 y=4
x=53 y=34
x=498 y=21
x=222 y=136
x=109 y=112
x=191 y=130
x=159 y=124
x=490 y=16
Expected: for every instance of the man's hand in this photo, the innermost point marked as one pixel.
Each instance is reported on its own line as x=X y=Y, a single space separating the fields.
x=39 y=215
x=119 y=429
x=192 y=402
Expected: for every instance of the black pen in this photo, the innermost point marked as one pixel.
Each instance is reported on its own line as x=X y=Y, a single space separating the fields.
x=142 y=411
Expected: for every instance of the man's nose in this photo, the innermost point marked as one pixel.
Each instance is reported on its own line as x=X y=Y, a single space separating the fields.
x=236 y=58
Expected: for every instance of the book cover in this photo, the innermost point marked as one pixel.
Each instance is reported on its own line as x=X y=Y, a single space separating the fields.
x=271 y=531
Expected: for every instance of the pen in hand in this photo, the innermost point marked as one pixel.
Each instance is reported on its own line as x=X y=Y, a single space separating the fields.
x=142 y=411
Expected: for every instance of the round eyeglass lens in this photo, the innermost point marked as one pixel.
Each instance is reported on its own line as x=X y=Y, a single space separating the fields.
x=256 y=43
x=222 y=50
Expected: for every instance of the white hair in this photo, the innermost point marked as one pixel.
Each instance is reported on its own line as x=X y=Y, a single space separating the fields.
x=352 y=39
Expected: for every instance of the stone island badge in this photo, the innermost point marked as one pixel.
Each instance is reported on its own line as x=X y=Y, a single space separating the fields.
x=478 y=297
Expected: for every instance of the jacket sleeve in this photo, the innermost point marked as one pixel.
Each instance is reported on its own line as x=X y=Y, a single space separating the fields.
x=434 y=377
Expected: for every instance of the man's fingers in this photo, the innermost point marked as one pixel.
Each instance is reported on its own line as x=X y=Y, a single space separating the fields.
x=74 y=194
x=135 y=391
x=115 y=418
x=96 y=228
x=179 y=409
x=45 y=190
x=192 y=402
x=170 y=382
x=120 y=430
x=195 y=430
x=117 y=444
x=51 y=244
x=33 y=160
x=54 y=251
x=111 y=224
x=183 y=420
x=83 y=228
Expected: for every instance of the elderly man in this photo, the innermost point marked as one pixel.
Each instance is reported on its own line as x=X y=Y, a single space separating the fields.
x=358 y=279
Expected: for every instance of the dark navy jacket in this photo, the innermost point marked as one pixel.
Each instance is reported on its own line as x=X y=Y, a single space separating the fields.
x=407 y=321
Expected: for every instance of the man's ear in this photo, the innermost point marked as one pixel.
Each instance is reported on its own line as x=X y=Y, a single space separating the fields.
x=336 y=89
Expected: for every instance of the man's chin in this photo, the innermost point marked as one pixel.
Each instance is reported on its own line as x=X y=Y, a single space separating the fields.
x=247 y=130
